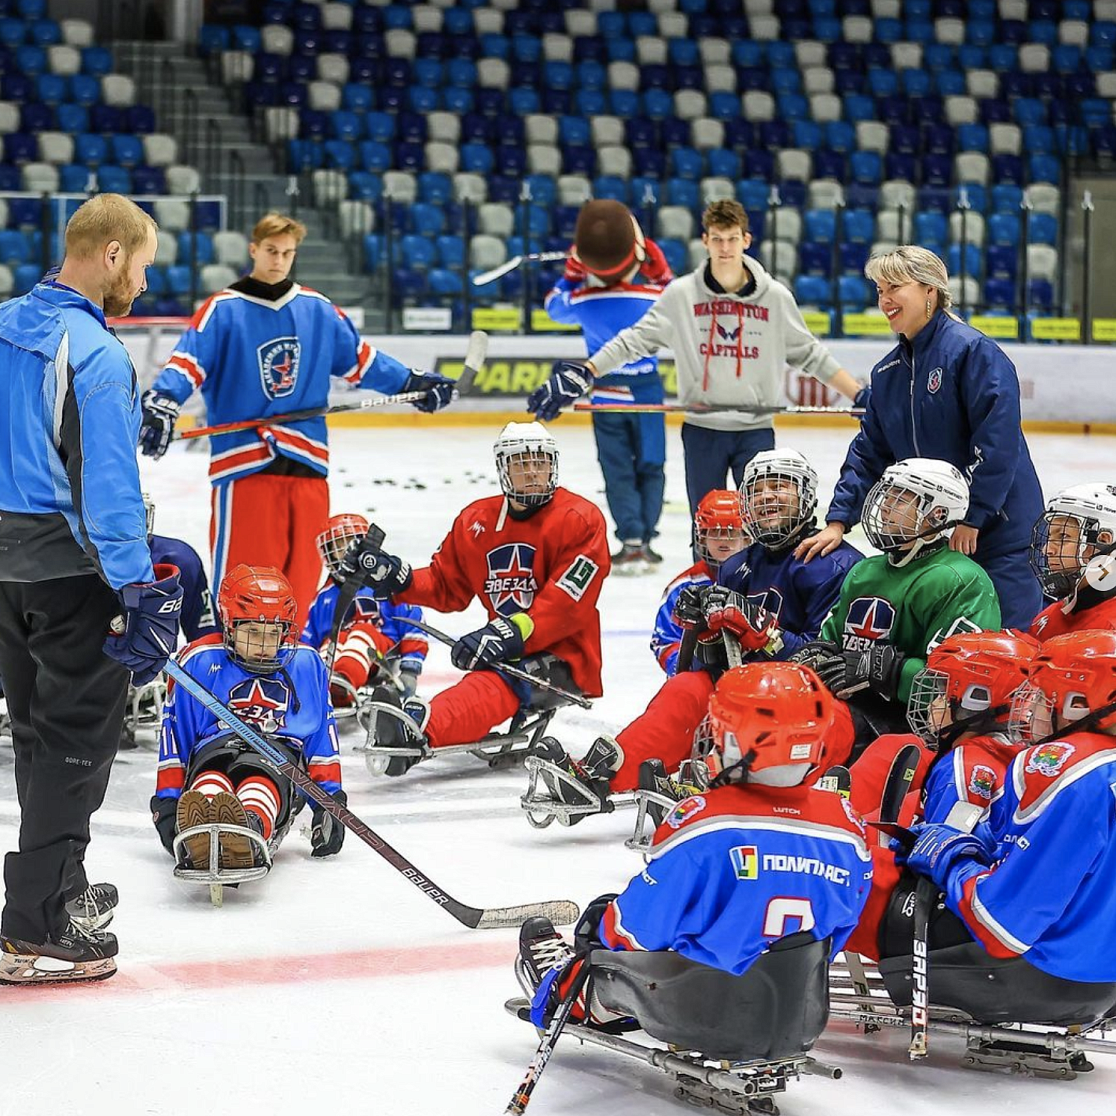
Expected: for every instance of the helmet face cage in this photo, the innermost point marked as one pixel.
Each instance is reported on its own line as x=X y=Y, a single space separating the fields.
x=336 y=539
x=258 y=612
x=528 y=473
x=719 y=527
x=707 y=755
x=928 y=704
x=779 y=497
x=1061 y=545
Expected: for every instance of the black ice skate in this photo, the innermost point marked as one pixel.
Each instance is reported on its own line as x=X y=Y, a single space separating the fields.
x=396 y=737
x=656 y=797
x=69 y=956
x=541 y=948
x=575 y=787
x=92 y=909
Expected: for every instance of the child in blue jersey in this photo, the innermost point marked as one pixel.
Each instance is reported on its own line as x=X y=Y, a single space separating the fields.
x=760 y=855
x=613 y=277
x=718 y=535
x=375 y=643
x=279 y=687
x=1044 y=892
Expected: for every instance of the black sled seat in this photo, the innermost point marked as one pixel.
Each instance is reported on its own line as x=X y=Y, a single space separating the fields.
x=992 y=990
x=775 y=1010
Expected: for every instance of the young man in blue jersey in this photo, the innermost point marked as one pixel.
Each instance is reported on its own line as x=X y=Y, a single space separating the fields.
x=721 y=885
x=268 y=346
x=613 y=276
x=74 y=567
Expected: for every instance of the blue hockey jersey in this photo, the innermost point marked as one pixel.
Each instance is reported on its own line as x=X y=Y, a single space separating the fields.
x=602 y=312
x=1049 y=897
x=666 y=638
x=411 y=644
x=291 y=704
x=800 y=595
x=733 y=870
x=199 y=618
x=973 y=772
x=252 y=357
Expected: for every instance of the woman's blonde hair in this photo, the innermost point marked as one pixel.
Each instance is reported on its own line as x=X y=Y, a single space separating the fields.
x=911 y=264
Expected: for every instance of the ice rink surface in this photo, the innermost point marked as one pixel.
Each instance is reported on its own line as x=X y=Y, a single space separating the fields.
x=336 y=986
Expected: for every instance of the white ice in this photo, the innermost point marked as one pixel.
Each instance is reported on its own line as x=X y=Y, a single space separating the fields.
x=336 y=986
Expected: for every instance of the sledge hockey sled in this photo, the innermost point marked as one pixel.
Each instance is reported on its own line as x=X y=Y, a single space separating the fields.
x=143 y=711
x=728 y=1042
x=213 y=875
x=542 y=806
x=497 y=749
x=1011 y=1015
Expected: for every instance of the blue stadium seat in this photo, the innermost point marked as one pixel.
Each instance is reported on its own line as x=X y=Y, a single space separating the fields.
x=972 y=260
x=855 y=291
x=565 y=221
x=829 y=164
x=999 y=294
x=1040 y=295
x=34 y=117
x=339 y=154
x=1003 y=229
x=475 y=128
x=213 y=38
x=917 y=83
x=859 y=226
x=1042 y=228
x=937 y=170
x=1006 y=198
x=677 y=255
x=852 y=258
x=52 y=88
x=364 y=186
x=840 y=136
x=806 y=134
x=686 y=162
x=858 y=107
x=929 y=226
x=107 y=118
x=579 y=160
x=417 y=252
x=19 y=147
x=345 y=125
x=721 y=163
x=950 y=83
x=1008 y=168
x=91 y=150
x=972 y=137
x=15 y=248
x=938 y=139
x=611 y=187
x=820 y=225
x=376 y=157
x=574 y=131
x=25 y=276
x=752 y=193
x=1002 y=261
x=814 y=258
x=971 y=192
x=74 y=179
x=682 y=191
x=113 y=180
x=1044 y=168
x=543 y=189
x=203 y=245
x=904 y=140
x=792 y=193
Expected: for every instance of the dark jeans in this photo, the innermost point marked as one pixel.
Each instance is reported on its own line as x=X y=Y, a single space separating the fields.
x=712 y=454
x=66 y=700
x=632 y=452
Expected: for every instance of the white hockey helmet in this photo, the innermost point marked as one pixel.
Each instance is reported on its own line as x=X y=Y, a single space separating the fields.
x=1078 y=525
x=527 y=462
x=779 y=492
x=915 y=501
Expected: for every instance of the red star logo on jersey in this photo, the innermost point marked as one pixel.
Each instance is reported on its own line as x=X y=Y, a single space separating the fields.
x=511 y=584
x=870 y=618
x=262 y=702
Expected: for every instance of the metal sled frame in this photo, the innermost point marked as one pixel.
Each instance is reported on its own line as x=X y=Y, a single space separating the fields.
x=740 y=1088
x=640 y=840
x=214 y=875
x=497 y=749
x=1025 y=1049
x=542 y=808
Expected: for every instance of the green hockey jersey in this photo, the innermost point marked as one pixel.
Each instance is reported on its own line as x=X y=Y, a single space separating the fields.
x=912 y=607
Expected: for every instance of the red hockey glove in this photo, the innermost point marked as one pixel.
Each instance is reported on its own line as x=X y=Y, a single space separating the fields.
x=655 y=266
x=575 y=270
x=752 y=625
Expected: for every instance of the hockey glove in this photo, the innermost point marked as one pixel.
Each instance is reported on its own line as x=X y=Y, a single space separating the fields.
x=327 y=834
x=877 y=670
x=163 y=811
x=147 y=633
x=940 y=852
x=160 y=413
x=575 y=271
x=655 y=266
x=752 y=625
x=386 y=575
x=440 y=390
x=569 y=381
x=689 y=607
x=826 y=659
x=499 y=641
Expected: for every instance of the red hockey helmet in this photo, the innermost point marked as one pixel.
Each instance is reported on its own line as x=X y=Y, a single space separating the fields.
x=1072 y=676
x=771 y=716
x=258 y=611
x=338 y=536
x=968 y=684
x=719 y=526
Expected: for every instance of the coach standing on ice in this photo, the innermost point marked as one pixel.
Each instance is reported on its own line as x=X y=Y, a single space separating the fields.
x=945 y=391
x=73 y=561
x=733 y=330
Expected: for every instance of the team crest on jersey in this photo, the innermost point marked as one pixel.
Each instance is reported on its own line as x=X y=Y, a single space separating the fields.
x=870 y=620
x=982 y=781
x=511 y=584
x=262 y=702
x=1049 y=759
x=770 y=599
x=278 y=361
x=364 y=608
x=934 y=380
x=852 y=814
x=685 y=810
x=745 y=862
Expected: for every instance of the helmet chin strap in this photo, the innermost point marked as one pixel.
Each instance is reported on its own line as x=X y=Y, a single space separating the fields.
x=736 y=773
x=928 y=533
x=984 y=721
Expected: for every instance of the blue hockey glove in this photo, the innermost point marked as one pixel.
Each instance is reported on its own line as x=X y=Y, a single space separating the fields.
x=160 y=413
x=386 y=575
x=569 y=381
x=940 y=849
x=497 y=642
x=147 y=634
x=327 y=834
x=440 y=390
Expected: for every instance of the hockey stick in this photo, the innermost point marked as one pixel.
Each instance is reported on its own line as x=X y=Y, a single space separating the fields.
x=504 y=668
x=709 y=408
x=296 y=416
x=474 y=361
x=516 y=261
x=522 y=1096
x=561 y=912
x=374 y=537
x=686 y=651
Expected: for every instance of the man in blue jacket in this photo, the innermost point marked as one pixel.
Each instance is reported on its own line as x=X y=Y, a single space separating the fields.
x=947 y=392
x=74 y=567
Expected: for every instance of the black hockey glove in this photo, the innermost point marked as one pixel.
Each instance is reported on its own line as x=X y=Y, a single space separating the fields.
x=569 y=381
x=876 y=670
x=385 y=574
x=327 y=834
x=147 y=633
x=163 y=811
x=497 y=642
x=826 y=659
x=587 y=933
x=689 y=607
x=440 y=390
x=160 y=413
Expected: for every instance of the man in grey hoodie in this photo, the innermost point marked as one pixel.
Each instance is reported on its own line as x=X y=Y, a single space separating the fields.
x=733 y=330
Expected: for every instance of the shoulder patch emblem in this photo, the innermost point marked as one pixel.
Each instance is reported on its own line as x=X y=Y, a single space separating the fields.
x=685 y=810
x=1048 y=759
x=578 y=577
x=982 y=781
